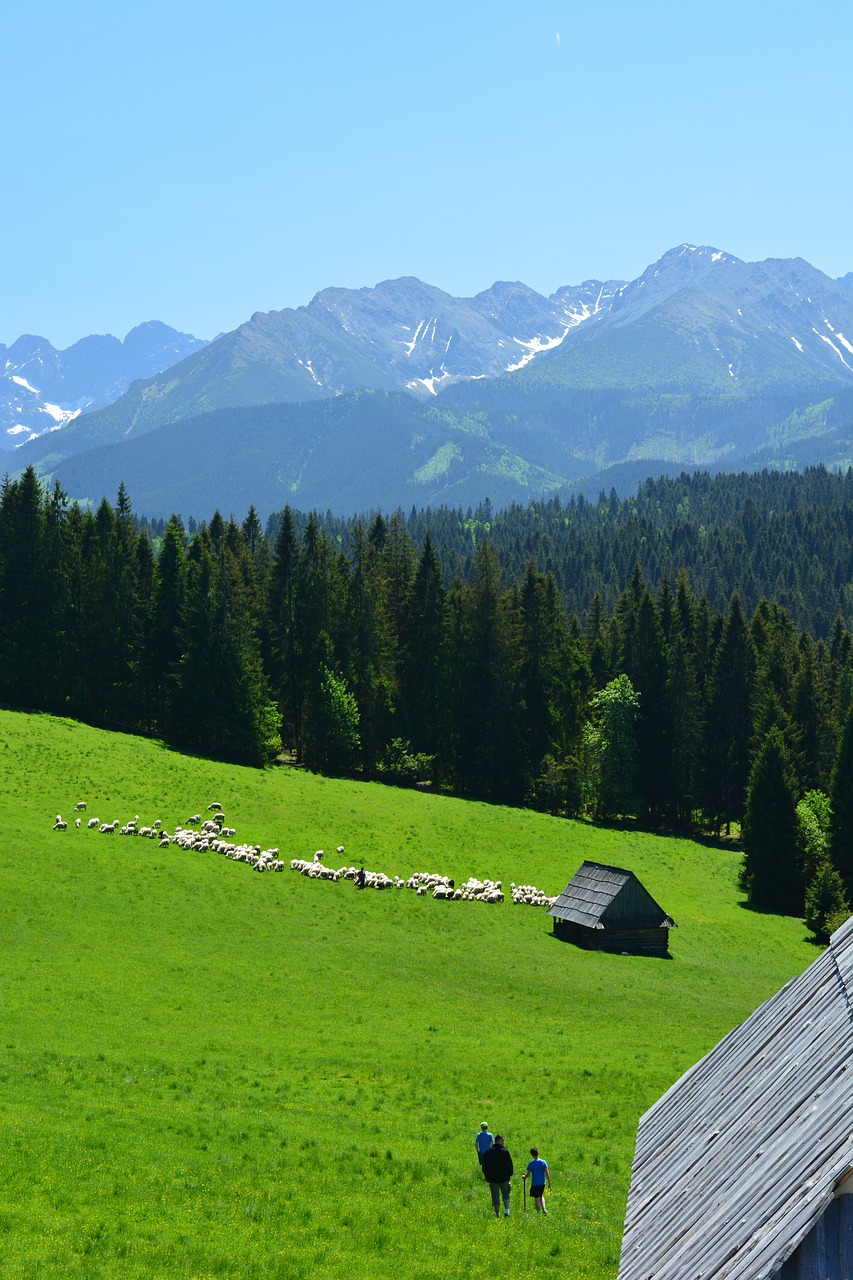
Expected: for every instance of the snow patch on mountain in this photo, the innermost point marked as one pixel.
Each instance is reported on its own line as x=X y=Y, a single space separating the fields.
x=410 y=346
x=830 y=343
x=22 y=382
x=89 y=374
x=535 y=347
x=60 y=416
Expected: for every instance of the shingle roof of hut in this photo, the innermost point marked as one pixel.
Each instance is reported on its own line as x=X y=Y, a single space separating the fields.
x=740 y=1158
x=601 y=897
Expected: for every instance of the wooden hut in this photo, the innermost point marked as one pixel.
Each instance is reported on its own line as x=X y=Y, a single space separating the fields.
x=744 y=1168
x=607 y=909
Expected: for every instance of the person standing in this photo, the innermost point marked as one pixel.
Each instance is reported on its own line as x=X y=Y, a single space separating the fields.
x=497 y=1170
x=483 y=1141
x=538 y=1173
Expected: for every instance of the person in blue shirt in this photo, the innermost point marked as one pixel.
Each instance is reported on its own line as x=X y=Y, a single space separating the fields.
x=537 y=1172
x=483 y=1141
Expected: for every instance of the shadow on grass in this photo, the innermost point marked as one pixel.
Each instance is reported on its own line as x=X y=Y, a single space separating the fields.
x=709 y=839
x=757 y=910
x=637 y=955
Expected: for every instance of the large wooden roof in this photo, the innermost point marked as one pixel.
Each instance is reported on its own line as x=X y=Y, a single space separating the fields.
x=740 y=1158
x=602 y=897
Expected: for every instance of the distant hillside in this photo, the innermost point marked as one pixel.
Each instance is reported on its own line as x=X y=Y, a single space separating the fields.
x=349 y=454
x=380 y=449
x=42 y=389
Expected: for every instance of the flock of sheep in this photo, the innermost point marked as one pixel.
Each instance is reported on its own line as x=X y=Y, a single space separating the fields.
x=425 y=883
x=211 y=834
x=199 y=835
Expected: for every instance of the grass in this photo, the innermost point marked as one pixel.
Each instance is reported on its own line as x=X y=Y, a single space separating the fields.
x=206 y=1072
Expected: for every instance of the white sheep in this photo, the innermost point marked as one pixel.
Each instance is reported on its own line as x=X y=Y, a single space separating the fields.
x=81 y=804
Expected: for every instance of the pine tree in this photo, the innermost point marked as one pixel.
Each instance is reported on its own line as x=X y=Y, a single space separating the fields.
x=770 y=872
x=488 y=741
x=650 y=677
x=166 y=616
x=811 y=718
x=729 y=722
x=841 y=798
x=24 y=593
x=370 y=646
x=827 y=905
x=285 y=660
x=221 y=703
x=423 y=670
x=684 y=706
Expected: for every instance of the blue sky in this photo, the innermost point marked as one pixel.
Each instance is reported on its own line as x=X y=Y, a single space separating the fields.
x=195 y=163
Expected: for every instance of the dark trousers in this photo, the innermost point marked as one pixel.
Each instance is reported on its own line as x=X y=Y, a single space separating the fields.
x=500 y=1190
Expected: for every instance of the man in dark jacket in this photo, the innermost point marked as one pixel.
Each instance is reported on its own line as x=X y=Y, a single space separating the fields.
x=497 y=1170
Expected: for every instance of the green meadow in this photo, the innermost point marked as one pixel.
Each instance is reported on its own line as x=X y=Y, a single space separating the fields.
x=206 y=1072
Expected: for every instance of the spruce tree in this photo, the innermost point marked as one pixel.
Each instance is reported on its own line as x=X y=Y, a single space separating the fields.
x=841 y=797
x=166 y=618
x=649 y=676
x=770 y=871
x=729 y=721
x=423 y=657
x=285 y=656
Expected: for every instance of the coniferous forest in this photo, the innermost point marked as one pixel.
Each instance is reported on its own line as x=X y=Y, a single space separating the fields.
x=681 y=658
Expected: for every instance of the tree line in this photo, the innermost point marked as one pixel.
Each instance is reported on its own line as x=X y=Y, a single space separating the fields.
x=349 y=648
x=786 y=536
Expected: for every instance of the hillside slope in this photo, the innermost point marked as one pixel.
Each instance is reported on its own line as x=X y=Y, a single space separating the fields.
x=350 y=454
x=186 y=1041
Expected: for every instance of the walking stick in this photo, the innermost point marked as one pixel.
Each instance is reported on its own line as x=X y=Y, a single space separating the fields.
x=524 y=1188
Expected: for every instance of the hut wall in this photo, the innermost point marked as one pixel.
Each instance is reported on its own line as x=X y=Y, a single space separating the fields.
x=827 y=1251
x=652 y=942
x=632 y=905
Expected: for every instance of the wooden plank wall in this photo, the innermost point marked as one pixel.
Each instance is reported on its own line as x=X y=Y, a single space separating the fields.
x=653 y=942
x=827 y=1251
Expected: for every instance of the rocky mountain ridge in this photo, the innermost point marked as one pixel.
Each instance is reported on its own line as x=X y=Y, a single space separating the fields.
x=401 y=394
x=42 y=389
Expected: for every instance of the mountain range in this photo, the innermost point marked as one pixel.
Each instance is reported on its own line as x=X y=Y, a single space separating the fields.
x=42 y=389
x=403 y=394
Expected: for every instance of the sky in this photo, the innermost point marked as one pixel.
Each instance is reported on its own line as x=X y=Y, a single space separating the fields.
x=195 y=163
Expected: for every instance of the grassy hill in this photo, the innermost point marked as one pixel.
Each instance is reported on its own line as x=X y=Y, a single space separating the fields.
x=209 y=1072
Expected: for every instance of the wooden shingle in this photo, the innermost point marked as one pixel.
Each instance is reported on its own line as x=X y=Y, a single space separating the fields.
x=738 y=1165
